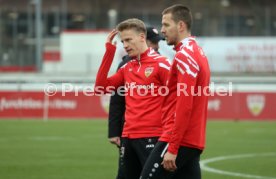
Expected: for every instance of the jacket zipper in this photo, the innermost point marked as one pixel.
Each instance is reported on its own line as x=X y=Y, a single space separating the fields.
x=139 y=61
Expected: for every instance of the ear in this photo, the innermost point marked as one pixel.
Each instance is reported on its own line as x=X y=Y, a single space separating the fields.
x=143 y=36
x=182 y=26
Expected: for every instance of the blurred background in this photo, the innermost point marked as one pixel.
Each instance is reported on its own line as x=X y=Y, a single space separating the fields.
x=50 y=52
x=62 y=41
x=31 y=30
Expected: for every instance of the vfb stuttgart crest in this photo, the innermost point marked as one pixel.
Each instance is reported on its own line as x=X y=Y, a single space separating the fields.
x=148 y=71
x=255 y=103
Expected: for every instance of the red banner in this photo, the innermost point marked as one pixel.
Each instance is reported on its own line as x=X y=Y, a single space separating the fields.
x=38 y=105
x=53 y=56
x=243 y=105
x=239 y=106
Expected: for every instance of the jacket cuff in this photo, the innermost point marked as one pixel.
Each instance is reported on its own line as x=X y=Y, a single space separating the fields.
x=173 y=148
x=110 y=46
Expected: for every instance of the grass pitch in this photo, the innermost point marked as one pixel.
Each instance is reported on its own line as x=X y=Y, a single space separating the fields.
x=73 y=149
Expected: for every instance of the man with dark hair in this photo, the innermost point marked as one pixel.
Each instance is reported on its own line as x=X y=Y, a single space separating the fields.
x=117 y=102
x=153 y=38
x=142 y=77
x=177 y=153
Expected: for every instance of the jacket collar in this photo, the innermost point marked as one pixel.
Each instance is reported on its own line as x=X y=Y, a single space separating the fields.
x=143 y=55
x=183 y=42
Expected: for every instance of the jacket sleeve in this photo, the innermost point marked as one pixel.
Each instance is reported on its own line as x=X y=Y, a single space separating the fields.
x=168 y=105
x=164 y=69
x=186 y=81
x=108 y=84
x=116 y=110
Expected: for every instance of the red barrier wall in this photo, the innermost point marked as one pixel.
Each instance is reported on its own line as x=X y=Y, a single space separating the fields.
x=37 y=105
x=243 y=105
x=31 y=104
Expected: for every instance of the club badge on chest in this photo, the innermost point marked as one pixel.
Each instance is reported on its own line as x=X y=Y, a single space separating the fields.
x=148 y=71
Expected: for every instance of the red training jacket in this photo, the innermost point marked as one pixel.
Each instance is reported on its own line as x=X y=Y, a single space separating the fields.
x=142 y=79
x=185 y=109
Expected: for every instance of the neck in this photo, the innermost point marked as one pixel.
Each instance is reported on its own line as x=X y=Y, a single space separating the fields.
x=143 y=48
x=182 y=36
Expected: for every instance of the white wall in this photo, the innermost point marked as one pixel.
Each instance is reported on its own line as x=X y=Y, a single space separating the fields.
x=82 y=52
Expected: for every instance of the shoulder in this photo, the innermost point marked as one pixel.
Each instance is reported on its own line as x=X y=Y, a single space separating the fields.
x=156 y=56
x=186 y=57
x=163 y=62
x=180 y=54
x=188 y=51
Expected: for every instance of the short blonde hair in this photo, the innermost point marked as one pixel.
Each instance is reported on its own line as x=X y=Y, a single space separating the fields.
x=134 y=24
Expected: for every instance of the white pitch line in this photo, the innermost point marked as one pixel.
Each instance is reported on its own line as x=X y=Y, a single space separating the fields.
x=204 y=166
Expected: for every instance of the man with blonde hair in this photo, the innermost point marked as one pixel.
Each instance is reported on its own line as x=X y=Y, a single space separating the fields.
x=142 y=77
x=117 y=102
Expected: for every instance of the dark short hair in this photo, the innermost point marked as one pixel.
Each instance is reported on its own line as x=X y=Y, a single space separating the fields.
x=153 y=35
x=134 y=23
x=180 y=13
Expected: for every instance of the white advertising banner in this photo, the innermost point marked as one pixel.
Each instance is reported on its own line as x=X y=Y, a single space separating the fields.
x=240 y=54
x=83 y=52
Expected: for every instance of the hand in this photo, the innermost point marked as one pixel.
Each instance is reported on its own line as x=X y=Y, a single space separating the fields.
x=169 y=162
x=111 y=36
x=115 y=141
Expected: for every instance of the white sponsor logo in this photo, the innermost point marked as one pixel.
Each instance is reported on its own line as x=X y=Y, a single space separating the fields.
x=29 y=103
x=255 y=103
x=133 y=85
x=150 y=146
x=214 y=105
